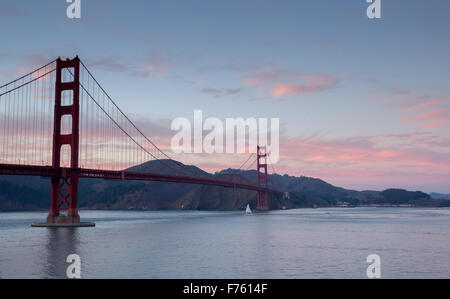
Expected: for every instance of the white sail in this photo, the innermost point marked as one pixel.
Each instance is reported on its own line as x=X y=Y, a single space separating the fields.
x=248 y=211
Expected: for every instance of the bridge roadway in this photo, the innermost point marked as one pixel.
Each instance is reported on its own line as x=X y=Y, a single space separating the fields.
x=48 y=171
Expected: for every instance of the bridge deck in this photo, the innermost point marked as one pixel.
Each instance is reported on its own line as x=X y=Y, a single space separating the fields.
x=47 y=171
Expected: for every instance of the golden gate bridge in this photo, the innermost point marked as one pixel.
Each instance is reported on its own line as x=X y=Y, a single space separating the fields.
x=59 y=122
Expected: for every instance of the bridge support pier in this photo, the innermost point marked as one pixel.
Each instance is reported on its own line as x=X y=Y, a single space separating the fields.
x=261 y=164
x=64 y=196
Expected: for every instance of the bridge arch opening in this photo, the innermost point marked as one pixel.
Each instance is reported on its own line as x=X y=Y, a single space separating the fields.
x=65 y=156
x=66 y=98
x=66 y=124
x=67 y=74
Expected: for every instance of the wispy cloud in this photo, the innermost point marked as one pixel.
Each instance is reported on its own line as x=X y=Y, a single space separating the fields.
x=404 y=160
x=269 y=76
x=421 y=106
x=110 y=64
x=361 y=152
x=156 y=65
x=424 y=110
x=27 y=63
x=283 y=82
x=433 y=125
x=312 y=84
x=438 y=114
x=219 y=93
x=432 y=119
x=368 y=161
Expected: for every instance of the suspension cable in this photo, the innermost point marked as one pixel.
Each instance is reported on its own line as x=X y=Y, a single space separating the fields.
x=182 y=166
x=248 y=167
x=126 y=117
x=246 y=161
x=36 y=70
x=125 y=132
x=31 y=81
x=271 y=164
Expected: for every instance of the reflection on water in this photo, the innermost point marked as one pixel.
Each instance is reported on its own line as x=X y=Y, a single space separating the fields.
x=60 y=242
x=308 y=243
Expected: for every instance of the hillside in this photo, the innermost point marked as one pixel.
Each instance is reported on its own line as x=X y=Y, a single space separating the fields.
x=32 y=193
x=435 y=195
x=307 y=192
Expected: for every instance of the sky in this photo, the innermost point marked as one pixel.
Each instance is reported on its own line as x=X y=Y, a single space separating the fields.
x=363 y=103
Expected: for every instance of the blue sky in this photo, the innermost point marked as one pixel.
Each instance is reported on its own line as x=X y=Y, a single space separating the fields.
x=362 y=103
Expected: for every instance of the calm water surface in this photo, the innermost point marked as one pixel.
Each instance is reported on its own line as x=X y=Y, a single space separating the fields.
x=306 y=243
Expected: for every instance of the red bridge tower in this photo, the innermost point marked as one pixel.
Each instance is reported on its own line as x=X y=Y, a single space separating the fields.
x=65 y=186
x=263 y=201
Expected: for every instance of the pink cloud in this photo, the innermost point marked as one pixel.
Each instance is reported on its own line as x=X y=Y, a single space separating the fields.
x=360 y=154
x=368 y=162
x=418 y=162
x=156 y=65
x=437 y=114
x=275 y=80
x=425 y=118
x=313 y=83
x=428 y=104
x=269 y=76
x=433 y=125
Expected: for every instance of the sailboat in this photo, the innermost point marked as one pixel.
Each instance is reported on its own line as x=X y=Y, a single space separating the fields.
x=247 y=210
